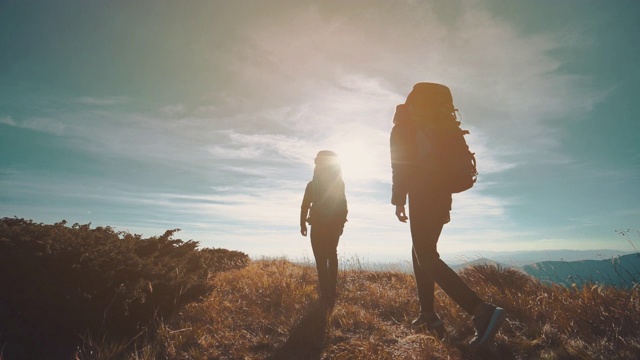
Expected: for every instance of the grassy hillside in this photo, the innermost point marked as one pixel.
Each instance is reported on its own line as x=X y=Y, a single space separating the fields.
x=269 y=310
x=76 y=292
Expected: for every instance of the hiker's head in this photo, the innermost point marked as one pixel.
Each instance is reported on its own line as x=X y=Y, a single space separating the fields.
x=327 y=163
x=327 y=174
x=327 y=158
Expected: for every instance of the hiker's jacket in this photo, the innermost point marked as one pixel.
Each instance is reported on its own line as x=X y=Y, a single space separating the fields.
x=414 y=160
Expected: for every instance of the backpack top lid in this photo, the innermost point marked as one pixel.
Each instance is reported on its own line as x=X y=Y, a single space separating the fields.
x=426 y=95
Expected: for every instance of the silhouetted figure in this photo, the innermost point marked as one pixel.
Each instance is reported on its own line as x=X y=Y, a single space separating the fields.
x=418 y=158
x=324 y=207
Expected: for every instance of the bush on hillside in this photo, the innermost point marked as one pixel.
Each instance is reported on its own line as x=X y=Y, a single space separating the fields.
x=59 y=282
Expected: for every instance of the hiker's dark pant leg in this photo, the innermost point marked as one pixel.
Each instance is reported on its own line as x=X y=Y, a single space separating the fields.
x=428 y=266
x=424 y=284
x=324 y=242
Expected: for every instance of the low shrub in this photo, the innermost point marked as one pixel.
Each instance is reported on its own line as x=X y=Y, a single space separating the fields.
x=60 y=283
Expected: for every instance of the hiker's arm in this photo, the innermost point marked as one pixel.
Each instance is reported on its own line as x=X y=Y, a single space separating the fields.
x=303 y=223
x=345 y=208
x=304 y=209
x=401 y=213
x=400 y=165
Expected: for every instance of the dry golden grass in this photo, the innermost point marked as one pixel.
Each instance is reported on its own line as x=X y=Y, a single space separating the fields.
x=269 y=310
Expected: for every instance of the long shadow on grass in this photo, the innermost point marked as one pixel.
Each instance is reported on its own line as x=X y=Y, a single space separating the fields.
x=306 y=339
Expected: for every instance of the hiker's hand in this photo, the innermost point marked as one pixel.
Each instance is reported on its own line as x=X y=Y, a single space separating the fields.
x=401 y=213
x=303 y=229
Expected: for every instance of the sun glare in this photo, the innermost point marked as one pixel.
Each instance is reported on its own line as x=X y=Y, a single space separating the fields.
x=357 y=160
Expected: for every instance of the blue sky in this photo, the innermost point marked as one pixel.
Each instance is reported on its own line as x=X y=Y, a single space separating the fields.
x=206 y=115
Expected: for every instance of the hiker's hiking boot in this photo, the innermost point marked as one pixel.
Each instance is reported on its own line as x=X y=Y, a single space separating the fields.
x=487 y=325
x=432 y=323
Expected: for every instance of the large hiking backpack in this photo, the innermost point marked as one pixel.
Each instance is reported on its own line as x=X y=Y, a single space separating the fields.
x=455 y=162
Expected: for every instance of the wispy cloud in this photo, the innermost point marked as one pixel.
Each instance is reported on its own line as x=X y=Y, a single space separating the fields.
x=102 y=101
x=7 y=120
x=41 y=124
x=268 y=145
x=172 y=110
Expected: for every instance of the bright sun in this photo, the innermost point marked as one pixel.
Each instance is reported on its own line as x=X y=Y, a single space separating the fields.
x=357 y=160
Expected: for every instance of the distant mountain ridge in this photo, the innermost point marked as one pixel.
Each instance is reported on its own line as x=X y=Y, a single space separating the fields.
x=610 y=269
x=622 y=271
x=518 y=259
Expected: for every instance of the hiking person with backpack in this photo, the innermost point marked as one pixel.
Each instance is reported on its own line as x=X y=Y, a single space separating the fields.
x=324 y=207
x=430 y=160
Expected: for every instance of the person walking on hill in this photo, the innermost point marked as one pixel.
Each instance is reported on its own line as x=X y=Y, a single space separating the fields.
x=324 y=207
x=417 y=158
